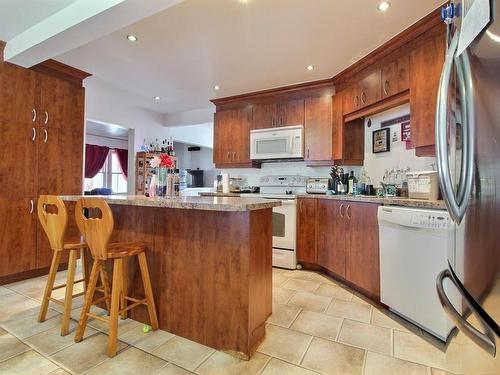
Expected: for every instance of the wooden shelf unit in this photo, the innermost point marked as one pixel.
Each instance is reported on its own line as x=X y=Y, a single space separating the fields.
x=143 y=170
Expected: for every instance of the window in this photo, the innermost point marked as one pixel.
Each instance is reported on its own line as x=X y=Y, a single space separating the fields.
x=110 y=176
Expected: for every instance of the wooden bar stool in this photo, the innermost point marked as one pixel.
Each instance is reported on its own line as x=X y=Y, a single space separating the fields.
x=97 y=229
x=54 y=220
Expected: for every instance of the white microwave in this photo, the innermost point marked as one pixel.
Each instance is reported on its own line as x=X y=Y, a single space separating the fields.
x=277 y=143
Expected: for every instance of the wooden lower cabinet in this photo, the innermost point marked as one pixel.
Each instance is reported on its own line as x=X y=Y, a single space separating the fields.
x=18 y=235
x=306 y=231
x=362 y=246
x=342 y=238
x=332 y=236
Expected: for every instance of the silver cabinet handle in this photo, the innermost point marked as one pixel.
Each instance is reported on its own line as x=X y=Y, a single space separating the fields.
x=46 y=135
x=363 y=97
x=347 y=211
x=33 y=132
x=484 y=340
x=340 y=210
x=46 y=118
x=32 y=206
x=386 y=87
x=456 y=203
x=234 y=155
x=356 y=101
x=33 y=118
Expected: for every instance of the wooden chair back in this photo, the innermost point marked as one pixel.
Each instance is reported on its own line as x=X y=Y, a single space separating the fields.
x=54 y=219
x=95 y=221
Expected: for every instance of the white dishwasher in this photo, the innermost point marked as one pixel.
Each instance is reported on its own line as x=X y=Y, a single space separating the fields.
x=414 y=248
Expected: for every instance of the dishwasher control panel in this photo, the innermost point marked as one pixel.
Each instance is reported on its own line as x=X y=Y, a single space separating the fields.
x=431 y=221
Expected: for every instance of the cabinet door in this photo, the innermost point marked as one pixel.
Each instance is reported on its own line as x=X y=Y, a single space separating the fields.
x=318 y=128
x=337 y=125
x=18 y=153
x=264 y=116
x=331 y=236
x=306 y=230
x=370 y=89
x=351 y=100
x=290 y=113
x=18 y=222
x=222 y=137
x=426 y=62
x=241 y=135
x=362 y=252
x=396 y=76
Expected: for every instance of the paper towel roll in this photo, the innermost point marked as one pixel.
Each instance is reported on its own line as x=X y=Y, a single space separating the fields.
x=225 y=183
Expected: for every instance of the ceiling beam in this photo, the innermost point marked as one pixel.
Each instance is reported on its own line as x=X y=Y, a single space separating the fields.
x=77 y=24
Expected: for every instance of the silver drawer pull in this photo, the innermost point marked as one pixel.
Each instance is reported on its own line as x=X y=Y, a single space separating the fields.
x=32 y=206
x=46 y=135
x=33 y=118
x=46 y=118
x=33 y=137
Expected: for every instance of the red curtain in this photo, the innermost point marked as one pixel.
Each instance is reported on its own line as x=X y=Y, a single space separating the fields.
x=122 y=156
x=95 y=156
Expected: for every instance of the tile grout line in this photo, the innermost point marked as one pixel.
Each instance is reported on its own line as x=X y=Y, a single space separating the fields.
x=295 y=318
x=340 y=329
x=268 y=360
x=305 y=351
x=365 y=358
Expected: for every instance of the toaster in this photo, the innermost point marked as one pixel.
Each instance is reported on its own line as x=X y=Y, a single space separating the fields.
x=318 y=185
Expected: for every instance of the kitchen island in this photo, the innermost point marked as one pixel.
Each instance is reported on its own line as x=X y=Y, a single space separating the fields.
x=210 y=261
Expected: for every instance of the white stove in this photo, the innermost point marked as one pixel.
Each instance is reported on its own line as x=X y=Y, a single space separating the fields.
x=285 y=189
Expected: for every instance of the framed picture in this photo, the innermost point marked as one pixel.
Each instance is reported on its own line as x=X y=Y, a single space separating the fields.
x=381 y=140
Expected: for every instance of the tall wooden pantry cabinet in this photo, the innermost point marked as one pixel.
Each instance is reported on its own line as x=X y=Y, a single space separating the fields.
x=41 y=152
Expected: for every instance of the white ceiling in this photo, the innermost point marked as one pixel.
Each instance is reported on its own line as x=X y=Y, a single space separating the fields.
x=18 y=15
x=185 y=50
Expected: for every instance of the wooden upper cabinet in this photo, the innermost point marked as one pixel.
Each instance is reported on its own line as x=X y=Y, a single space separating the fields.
x=241 y=135
x=337 y=125
x=363 y=91
x=232 y=136
x=426 y=62
x=306 y=230
x=362 y=241
x=396 y=76
x=223 y=121
x=264 y=115
x=277 y=114
x=318 y=128
x=331 y=246
x=290 y=113
x=370 y=89
x=18 y=132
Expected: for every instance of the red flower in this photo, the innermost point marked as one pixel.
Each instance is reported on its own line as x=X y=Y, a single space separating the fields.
x=166 y=161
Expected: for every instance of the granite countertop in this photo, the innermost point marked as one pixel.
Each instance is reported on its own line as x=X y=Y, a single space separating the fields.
x=386 y=201
x=188 y=202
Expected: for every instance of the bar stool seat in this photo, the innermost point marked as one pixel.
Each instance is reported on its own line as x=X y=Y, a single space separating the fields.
x=54 y=219
x=95 y=221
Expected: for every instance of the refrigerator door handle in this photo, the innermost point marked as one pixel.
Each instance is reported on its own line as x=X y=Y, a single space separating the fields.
x=468 y=131
x=456 y=205
x=484 y=340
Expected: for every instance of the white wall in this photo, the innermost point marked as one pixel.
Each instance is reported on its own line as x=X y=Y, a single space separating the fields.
x=398 y=157
x=202 y=159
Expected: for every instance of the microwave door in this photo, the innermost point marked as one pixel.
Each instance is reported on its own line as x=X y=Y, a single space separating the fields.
x=271 y=148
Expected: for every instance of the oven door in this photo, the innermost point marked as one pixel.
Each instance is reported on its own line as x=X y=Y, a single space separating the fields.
x=284 y=220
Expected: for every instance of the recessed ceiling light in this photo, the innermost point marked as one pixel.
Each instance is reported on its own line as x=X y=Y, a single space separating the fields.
x=383 y=6
x=132 y=38
x=216 y=87
x=310 y=67
x=157 y=98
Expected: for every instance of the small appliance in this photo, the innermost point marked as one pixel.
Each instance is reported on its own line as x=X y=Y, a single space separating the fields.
x=318 y=185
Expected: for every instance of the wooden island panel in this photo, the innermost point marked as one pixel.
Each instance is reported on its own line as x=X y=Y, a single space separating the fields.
x=211 y=272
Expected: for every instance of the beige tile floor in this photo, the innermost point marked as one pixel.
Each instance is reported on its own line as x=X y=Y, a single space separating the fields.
x=318 y=326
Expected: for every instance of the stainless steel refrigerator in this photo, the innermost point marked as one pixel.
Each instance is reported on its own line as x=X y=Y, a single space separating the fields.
x=468 y=159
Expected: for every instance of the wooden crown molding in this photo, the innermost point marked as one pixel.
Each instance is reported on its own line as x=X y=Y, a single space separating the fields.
x=2 y=47
x=60 y=70
x=325 y=84
x=427 y=24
